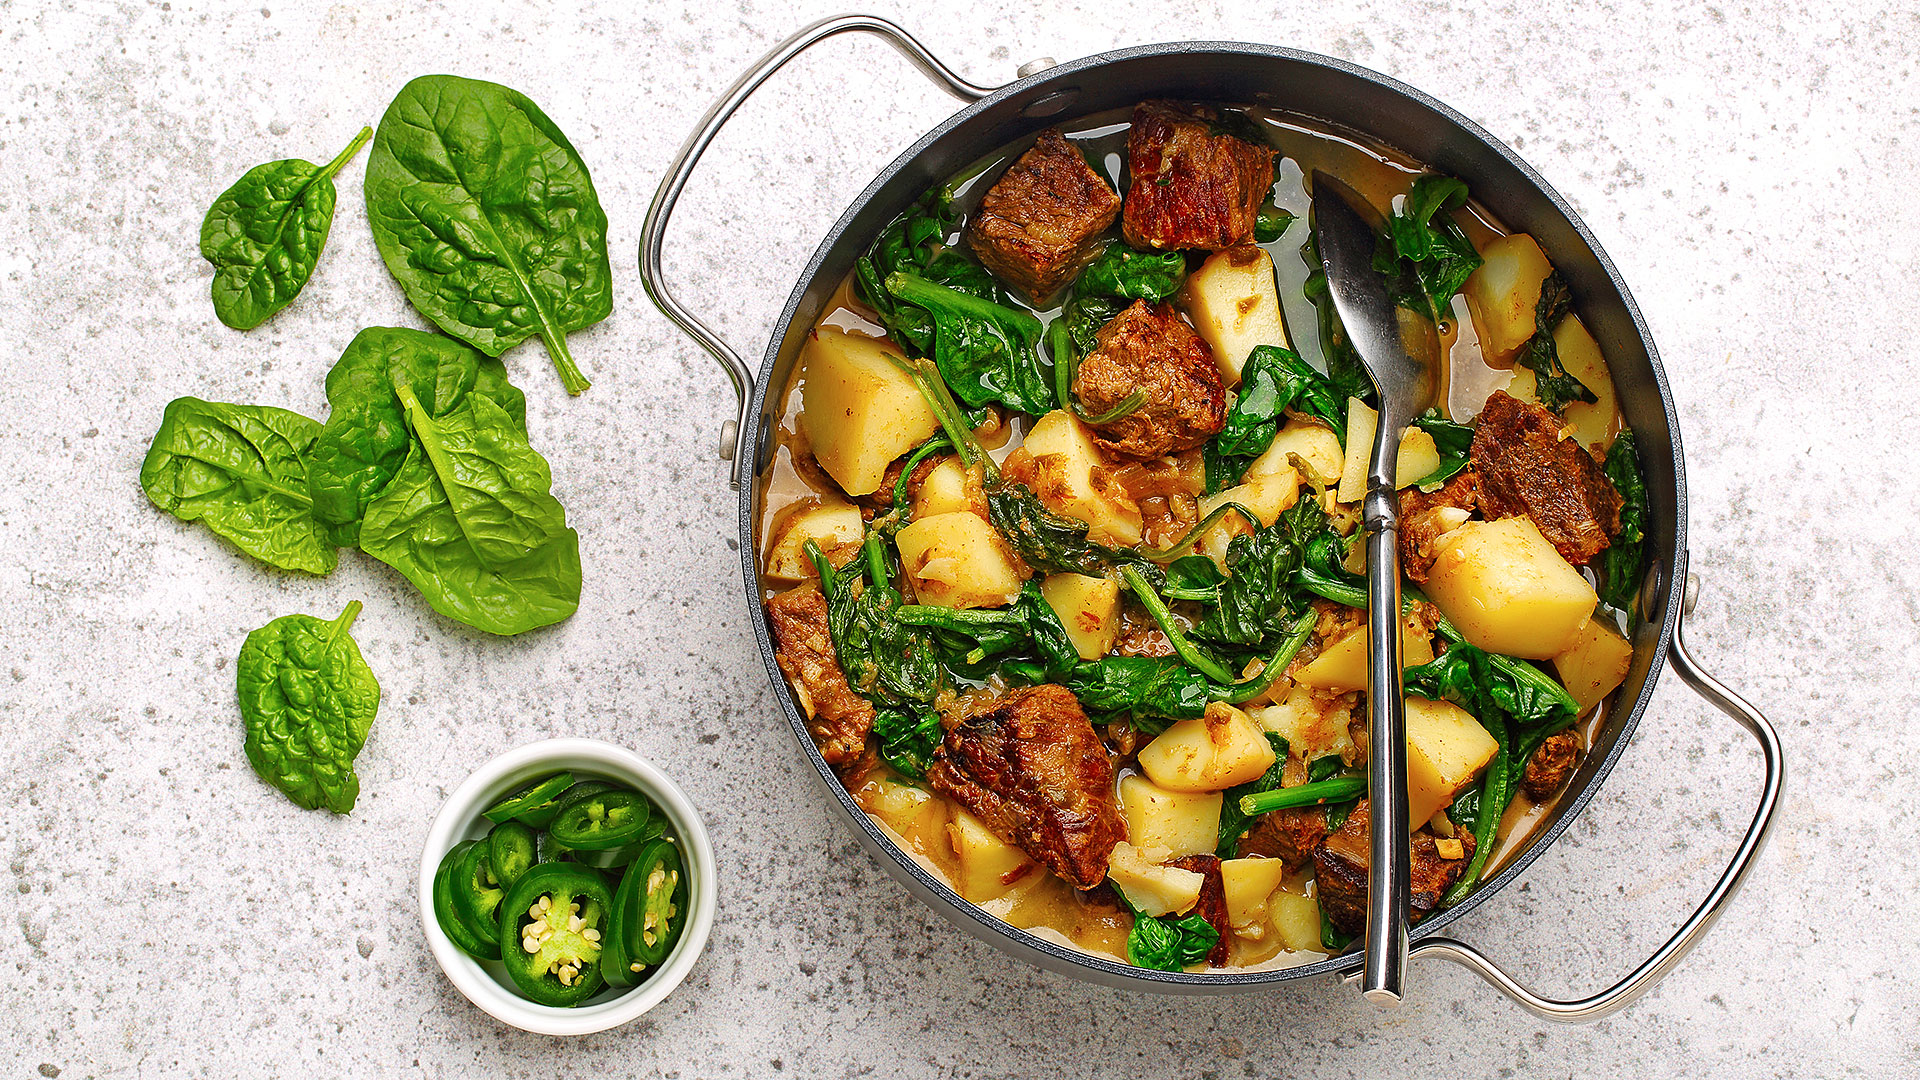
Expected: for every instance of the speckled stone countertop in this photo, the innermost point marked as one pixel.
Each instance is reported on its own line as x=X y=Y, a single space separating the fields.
x=1750 y=168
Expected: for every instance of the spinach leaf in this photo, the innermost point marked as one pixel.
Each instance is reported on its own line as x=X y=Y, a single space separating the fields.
x=1323 y=571
x=1271 y=222
x=1425 y=254
x=1261 y=597
x=920 y=241
x=471 y=520
x=1048 y=541
x=264 y=234
x=1166 y=943
x=1344 y=369
x=1085 y=315
x=366 y=438
x=1455 y=443
x=908 y=738
x=891 y=662
x=1122 y=273
x=1272 y=381
x=986 y=352
x=1145 y=691
x=307 y=699
x=1234 y=820
x=486 y=216
x=1624 y=562
x=1471 y=678
x=1553 y=385
x=1024 y=639
x=242 y=470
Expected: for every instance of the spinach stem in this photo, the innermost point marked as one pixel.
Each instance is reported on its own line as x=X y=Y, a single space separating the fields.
x=333 y=167
x=920 y=292
x=821 y=566
x=1252 y=688
x=1162 y=553
x=556 y=342
x=340 y=625
x=1338 y=789
x=1157 y=608
x=1496 y=792
x=1065 y=363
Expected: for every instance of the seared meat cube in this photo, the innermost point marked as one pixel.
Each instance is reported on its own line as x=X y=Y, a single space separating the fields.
x=1190 y=185
x=837 y=718
x=1038 y=226
x=1151 y=349
x=1289 y=835
x=1527 y=467
x=1424 y=517
x=1212 y=905
x=1340 y=872
x=1550 y=765
x=1030 y=766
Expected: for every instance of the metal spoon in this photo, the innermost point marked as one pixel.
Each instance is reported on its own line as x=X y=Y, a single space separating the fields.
x=1404 y=379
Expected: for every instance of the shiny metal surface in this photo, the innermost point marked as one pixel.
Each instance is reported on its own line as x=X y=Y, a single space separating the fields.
x=653 y=230
x=1346 y=240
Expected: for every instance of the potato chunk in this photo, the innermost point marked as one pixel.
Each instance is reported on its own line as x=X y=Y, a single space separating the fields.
x=835 y=526
x=989 y=866
x=958 y=561
x=1446 y=749
x=1503 y=292
x=1071 y=479
x=1247 y=884
x=1235 y=306
x=1508 y=590
x=1208 y=753
x=1178 y=822
x=1318 y=446
x=1595 y=664
x=1296 y=918
x=946 y=490
x=857 y=409
x=1419 y=455
x=1267 y=496
x=1089 y=609
x=1151 y=888
x=1594 y=423
x=1314 y=723
x=1342 y=664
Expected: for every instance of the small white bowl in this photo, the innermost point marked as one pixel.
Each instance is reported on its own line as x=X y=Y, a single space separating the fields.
x=487 y=985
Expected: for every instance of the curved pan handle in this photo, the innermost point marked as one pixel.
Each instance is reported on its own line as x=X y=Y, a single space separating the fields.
x=652 y=233
x=1621 y=994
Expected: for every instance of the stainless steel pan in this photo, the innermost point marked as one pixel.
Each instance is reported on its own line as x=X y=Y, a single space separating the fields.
x=1347 y=96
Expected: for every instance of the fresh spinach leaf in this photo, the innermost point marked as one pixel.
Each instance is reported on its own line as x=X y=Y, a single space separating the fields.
x=1425 y=254
x=1553 y=385
x=1272 y=381
x=366 y=437
x=1025 y=638
x=1234 y=820
x=242 y=470
x=893 y=663
x=1085 y=315
x=486 y=216
x=308 y=700
x=1125 y=274
x=986 y=352
x=1166 y=943
x=1146 y=691
x=1261 y=598
x=1624 y=562
x=264 y=234
x=1455 y=443
x=907 y=738
x=471 y=520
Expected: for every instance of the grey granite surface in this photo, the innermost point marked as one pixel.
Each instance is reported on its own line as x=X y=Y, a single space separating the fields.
x=1750 y=167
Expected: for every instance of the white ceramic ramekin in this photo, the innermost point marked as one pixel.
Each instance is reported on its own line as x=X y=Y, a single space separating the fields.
x=486 y=985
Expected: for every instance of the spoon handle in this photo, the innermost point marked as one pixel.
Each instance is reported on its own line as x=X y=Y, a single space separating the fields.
x=1388 y=875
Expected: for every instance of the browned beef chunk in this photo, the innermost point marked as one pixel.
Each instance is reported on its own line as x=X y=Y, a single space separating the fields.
x=1189 y=185
x=1030 y=766
x=1550 y=765
x=1421 y=520
x=1340 y=872
x=838 y=718
x=1151 y=349
x=1039 y=226
x=1212 y=905
x=1527 y=468
x=1289 y=835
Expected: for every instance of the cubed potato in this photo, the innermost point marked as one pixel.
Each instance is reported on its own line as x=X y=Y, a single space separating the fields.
x=1089 y=609
x=1594 y=423
x=1296 y=918
x=989 y=867
x=1446 y=749
x=1235 y=306
x=1508 y=590
x=1072 y=480
x=946 y=490
x=1182 y=823
x=1247 y=884
x=1318 y=446
x=1524 y=385
x=1419 y=455
x=1267 y=496
x=1208 y=753
x=1342 y=664
x=911 y=811
x=858 y=410
x=1314 y=723
x=1503 y=292
x=1595 y=664
x=958 y=561
x=1152 y=888
x=835 y=526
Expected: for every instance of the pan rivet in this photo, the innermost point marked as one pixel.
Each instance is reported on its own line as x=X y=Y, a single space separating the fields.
x=1033 y=67
x=1690 y=595
x=729 y=438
